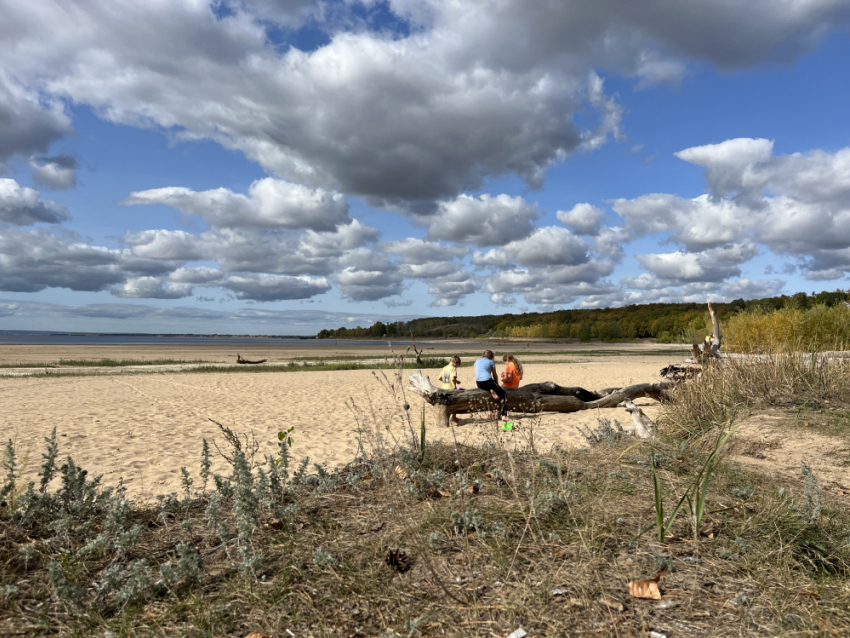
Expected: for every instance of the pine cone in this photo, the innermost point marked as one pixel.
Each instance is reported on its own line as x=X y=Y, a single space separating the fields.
x=398 y=560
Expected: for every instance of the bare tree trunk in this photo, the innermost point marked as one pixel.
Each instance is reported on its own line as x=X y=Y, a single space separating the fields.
x=533 y=398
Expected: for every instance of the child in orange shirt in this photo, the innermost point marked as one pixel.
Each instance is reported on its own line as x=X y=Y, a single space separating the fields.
x=513 y=372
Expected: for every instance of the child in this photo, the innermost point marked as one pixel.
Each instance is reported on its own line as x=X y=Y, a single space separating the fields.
x=448 y=375
x=513 y=372
x=486 y=379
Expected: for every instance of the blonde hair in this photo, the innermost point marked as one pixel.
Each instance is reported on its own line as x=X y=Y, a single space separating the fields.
x=515 y=361
x=455 y=360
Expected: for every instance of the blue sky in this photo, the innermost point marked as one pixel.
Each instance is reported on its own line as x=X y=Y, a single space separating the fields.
x=282 y=166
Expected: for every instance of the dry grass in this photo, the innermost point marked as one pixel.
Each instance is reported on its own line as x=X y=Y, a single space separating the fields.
x=788 y=330
x=726 y=392
x=496 y=540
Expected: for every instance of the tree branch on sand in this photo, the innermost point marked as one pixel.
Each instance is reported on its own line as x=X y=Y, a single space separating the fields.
x=239 y=359
x=532 y=398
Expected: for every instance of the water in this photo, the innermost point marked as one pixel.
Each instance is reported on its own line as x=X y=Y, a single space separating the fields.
x=39 y=338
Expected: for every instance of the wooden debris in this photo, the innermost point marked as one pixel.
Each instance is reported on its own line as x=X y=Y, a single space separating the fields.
x=532 y=398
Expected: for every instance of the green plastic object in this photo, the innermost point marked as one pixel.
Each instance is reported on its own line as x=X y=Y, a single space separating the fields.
x=507 y=426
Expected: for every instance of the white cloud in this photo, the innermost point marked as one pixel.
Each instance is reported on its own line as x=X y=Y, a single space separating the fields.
x=34 y=260
x=175 y=245
x=733 y=166
x=58 y=172
x=263 y=287
x=151 y=288
x=21 y=206
x=368 y=285
x=550 y=246
x=698 y=223
x=29 y=121
x=270 y=203
x=420 y=251
x=483 y=220
x=584 y=219
x=495 y=258
x=712 y=265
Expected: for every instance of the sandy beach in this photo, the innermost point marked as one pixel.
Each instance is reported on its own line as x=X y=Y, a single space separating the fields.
x=144 y=427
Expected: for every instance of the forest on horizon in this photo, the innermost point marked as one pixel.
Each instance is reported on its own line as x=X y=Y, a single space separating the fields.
x=666 y=322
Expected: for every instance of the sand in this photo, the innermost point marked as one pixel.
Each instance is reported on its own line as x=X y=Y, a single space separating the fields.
x=144 y=427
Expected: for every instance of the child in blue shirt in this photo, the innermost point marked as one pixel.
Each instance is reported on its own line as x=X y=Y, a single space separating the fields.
x=487 y=379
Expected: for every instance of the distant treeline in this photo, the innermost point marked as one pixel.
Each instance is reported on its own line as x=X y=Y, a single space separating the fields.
x=666 y=322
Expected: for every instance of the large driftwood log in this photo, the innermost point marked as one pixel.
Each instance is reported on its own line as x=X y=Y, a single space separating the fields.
x=532 y=398
x=240 y=360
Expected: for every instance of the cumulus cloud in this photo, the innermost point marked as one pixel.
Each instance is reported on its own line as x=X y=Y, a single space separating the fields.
x=552 y=285
x=494 y=258
x=550 y=246
x=175 y=245
x=29 y=122
x=150 y=288
x=58 y=172
x=711 y=265
x=270 y=203
x=368 y=285
x=698 y=223
x=584 y=219
x=483 y=220
x=36 y=259
x=264 y=287
x=464 y=92
x=796 y=204
x=21 y=206
x=420 y=251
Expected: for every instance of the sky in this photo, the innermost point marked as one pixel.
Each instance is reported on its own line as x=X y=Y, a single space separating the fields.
x=283 y=166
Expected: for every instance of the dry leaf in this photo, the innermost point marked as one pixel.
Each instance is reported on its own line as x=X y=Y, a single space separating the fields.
x=472 y=489
x=401 y=472
x=256 y=634
x=647 y=588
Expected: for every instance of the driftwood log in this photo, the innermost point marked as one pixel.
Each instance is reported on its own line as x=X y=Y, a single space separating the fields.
x=532 y=398
x=239 y=359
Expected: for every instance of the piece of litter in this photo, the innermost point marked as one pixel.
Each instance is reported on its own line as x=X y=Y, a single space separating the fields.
x=519 y=633
x=507 y=426
x=655 y=634
x=559 y=591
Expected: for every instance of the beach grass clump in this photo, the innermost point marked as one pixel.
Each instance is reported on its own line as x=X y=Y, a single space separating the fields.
x=726 y=392
x=789 y=329
x=455 y=541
